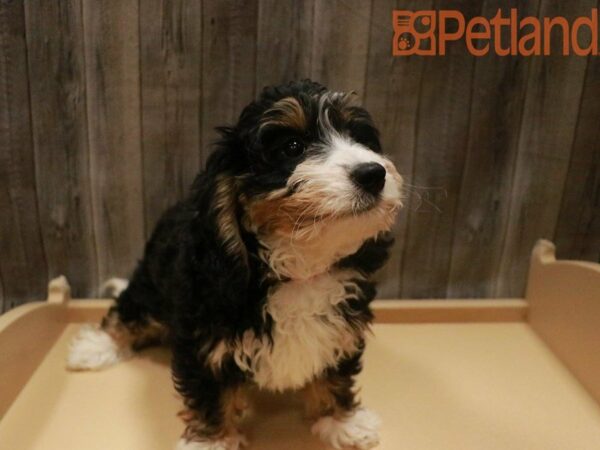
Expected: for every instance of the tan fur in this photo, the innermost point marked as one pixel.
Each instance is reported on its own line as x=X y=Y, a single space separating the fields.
x=225 y=204
x=287 y=112
x=194 y=426
x=233 y=405
x=284 y=214
x=320 y=399
x=135 y=337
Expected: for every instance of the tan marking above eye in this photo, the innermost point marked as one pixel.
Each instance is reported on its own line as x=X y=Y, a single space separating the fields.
x=286 y=112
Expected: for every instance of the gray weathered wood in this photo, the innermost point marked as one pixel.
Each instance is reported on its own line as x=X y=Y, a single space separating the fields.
x=171 y=48
x=553 y=96
x=58 y=110
x=442 y=134
x=2 y=304
x=340 y=44
x=107 y=111
x=22 y=260
x=284 y=41
x=228 y=63
x=113 y=105
x=483 y=208
x=577 y=233
x=391 y=96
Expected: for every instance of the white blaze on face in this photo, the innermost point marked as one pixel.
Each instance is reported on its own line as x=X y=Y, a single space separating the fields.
x=324 y=187
x=325 y=217
x=332 y=172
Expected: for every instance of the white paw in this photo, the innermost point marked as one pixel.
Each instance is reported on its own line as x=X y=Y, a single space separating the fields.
x=113 y=287
x=232 y=442
x=93 y=348
x=359 y=430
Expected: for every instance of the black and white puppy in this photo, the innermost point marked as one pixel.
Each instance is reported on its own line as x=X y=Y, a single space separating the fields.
x=261 y=276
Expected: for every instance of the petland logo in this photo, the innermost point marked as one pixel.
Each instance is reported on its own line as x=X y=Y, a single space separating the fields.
x=428 y=32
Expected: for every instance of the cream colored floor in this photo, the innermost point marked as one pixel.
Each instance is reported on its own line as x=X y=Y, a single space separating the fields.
x=438 y=386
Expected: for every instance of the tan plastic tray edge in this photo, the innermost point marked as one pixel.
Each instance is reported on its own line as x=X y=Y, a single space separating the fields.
x=564 y=310
x=29 y=331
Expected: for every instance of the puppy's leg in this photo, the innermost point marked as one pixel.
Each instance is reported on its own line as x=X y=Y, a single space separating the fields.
x=341 y=421
x=212 y=401
x=123 y=330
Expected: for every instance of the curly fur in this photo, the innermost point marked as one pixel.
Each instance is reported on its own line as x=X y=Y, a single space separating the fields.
x=262 y=274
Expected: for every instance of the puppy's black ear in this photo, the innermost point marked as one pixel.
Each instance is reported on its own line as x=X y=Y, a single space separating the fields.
x=219 y=257
x=216 y=193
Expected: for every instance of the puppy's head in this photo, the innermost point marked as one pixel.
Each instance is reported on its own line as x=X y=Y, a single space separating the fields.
x=310 y=178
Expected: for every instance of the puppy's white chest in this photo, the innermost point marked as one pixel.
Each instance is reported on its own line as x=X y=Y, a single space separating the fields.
x=308 y=335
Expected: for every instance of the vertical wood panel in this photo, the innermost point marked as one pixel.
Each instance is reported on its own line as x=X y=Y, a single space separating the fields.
x=577 y=233
x=442 y=132
x=113 y=100
x=482 y=214
x=22 y=260
x=57 y=83
x=284 y=41
x=391 y=96
x=547 y=131
x=171 y=48
x=340 y=44
x=228 y=63
x=2 y=303
x=107 y=110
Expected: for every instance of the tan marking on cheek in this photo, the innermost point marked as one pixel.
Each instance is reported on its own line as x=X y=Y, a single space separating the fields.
x=283 y=212
x=286 y=112
x=283 y=215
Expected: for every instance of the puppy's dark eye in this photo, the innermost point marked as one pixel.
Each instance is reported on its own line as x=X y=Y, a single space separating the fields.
x=293 y=148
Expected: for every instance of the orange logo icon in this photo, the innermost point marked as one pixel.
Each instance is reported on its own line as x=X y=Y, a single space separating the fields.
x=414 y=33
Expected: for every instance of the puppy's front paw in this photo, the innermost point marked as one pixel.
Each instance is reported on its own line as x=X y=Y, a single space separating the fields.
x=93 y=349
x=358 y=430
x=232 y=442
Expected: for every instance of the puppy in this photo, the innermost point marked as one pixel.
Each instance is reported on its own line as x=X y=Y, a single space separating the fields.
x=262 y=275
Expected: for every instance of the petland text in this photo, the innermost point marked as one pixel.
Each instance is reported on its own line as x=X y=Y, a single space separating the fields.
x=428 y=33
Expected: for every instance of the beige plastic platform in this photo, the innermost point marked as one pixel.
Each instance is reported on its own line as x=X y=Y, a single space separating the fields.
x=500 y=374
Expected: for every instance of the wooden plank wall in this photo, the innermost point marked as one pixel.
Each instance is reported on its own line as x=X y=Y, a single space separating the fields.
x=108 y=107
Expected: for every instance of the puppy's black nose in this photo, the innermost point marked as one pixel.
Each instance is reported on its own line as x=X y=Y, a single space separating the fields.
x=369 y=176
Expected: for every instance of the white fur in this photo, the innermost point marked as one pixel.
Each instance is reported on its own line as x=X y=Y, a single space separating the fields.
x=93 y=349
x=360 y=430
x=113 y=287
x=232 y=442
x=308 y=333
x=303 y=259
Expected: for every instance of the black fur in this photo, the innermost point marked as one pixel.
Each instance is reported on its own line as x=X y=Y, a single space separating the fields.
x=203 y=294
